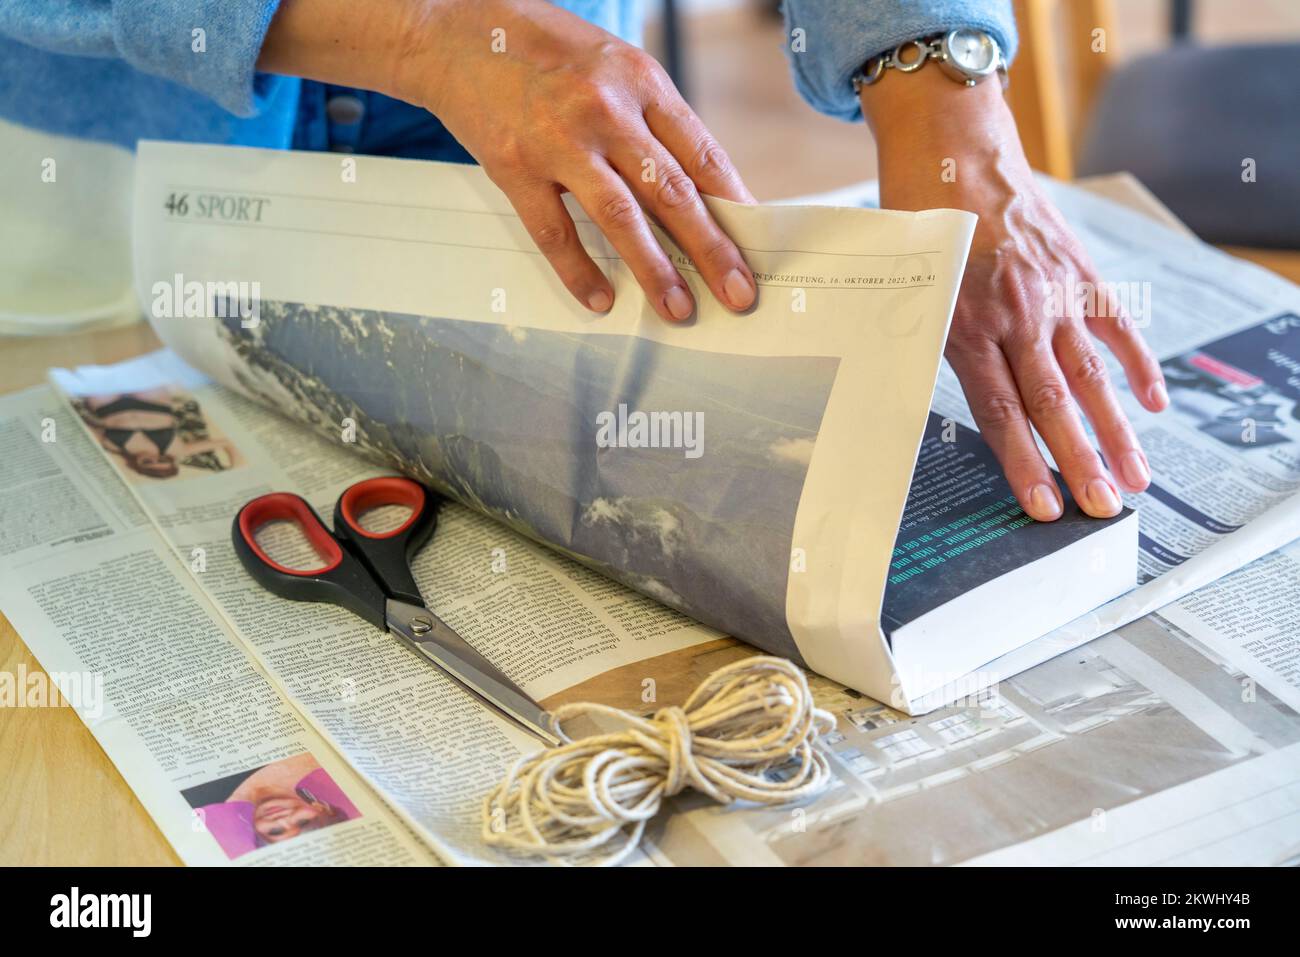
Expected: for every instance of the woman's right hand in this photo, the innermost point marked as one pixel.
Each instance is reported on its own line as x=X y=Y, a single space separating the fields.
x=549 y=103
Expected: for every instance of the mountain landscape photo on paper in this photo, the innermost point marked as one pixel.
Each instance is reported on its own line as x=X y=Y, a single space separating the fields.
x=505 y=419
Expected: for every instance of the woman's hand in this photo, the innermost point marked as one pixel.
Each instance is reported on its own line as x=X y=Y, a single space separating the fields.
x=1021 y=361
x=547 y=103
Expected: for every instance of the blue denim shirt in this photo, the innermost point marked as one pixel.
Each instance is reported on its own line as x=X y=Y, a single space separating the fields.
x=840 y=35
x=122 y=70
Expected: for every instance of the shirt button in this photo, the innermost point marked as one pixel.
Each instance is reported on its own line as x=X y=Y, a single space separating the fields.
x=345 y=109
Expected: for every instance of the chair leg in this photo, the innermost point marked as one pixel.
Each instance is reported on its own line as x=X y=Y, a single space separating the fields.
x=674 y=60
x=1035 y=93
x=1180 y=20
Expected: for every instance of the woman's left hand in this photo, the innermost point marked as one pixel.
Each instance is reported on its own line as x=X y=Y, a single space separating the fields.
x=1023 y=352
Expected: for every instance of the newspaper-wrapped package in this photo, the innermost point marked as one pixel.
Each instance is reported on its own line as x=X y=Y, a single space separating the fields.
x=403 y=307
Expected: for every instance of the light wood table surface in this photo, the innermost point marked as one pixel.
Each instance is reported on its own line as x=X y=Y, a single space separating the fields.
x=61 y=800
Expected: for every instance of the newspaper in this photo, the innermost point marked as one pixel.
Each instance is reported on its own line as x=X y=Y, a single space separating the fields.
x=1145 y=747
x=1173 y=739
x=767 y=486
x=127 y=636
x=434 y=338
x=1225 y=457
x=205 y=678
x=1176 y=739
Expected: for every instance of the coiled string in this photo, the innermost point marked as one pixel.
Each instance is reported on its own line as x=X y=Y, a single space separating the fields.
x=746 y=733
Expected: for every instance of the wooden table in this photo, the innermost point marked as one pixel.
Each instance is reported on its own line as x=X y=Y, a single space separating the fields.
x=63 y=801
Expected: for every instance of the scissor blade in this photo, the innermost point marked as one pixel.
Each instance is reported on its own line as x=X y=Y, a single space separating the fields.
x=436 y=640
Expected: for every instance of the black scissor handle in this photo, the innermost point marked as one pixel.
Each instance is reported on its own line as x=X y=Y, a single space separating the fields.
x=340 y=579
x=388 y=554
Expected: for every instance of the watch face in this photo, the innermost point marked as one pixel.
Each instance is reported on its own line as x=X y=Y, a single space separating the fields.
x=972 y=50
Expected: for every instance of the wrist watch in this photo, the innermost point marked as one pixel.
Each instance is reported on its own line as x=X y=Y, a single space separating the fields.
x=967 y=55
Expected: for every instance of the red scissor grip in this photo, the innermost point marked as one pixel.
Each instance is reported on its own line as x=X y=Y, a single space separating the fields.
x=281 y=506
x=376 y=492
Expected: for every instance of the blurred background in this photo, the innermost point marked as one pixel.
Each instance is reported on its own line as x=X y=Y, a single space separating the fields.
x=735 y=74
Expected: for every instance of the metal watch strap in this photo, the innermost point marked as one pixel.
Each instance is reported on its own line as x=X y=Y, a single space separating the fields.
x=875 y=68
x=926 y=48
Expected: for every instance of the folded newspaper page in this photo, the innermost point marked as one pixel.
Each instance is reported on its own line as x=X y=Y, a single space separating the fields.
x=401 y=309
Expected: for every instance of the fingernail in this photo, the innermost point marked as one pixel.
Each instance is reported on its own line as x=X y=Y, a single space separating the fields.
x=1133 y=466
x=600 y=301
x=739 y=289
x=678 y=303
x=1046 y=506
x=1103 y=498
x=1159 y=397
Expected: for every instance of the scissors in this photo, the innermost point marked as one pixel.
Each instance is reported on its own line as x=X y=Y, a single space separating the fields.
x=369 y=574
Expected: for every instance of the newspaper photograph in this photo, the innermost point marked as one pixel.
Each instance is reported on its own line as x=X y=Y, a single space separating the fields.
x=1088 y=758
x=494 y=419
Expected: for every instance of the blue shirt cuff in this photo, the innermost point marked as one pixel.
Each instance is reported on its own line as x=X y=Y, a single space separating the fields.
x=838 y=36
x=161 y=37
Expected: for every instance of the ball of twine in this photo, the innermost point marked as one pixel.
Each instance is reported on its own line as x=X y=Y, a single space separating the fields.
x=746 y=733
